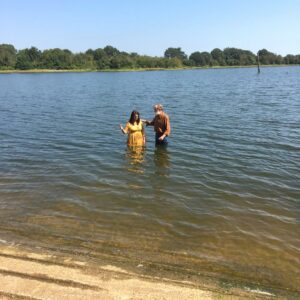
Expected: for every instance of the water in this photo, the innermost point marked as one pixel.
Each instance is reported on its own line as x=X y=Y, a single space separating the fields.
x=223 y=200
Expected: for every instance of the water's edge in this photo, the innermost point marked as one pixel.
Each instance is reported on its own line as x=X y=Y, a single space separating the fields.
x=27 y=259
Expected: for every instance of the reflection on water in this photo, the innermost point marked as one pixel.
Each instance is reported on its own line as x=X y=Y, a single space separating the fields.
x=224 y=201
x=162 y=160
x=135 y=157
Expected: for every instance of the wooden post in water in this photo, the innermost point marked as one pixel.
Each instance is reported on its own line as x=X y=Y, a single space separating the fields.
x=258 y=67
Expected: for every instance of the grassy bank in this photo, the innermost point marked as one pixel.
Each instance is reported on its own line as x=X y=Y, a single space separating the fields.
x=132 y=70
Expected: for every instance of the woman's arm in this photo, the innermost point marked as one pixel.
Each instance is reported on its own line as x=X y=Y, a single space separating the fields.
x=124 y=130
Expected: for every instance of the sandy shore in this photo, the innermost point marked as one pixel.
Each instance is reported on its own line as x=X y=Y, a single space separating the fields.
x=31 y=275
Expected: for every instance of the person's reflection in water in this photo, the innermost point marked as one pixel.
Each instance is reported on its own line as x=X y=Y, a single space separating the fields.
x=135 y=157
x=162 y=160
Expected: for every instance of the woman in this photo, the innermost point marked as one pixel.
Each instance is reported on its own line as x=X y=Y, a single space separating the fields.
x=135 y=130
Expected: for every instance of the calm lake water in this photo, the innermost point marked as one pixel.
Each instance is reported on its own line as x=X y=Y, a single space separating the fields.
x=222 y=201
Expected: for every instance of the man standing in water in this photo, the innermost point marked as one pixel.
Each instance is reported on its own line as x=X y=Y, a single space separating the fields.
x=161 y=123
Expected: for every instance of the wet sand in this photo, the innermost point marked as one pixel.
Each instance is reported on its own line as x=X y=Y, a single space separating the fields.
x=32 y=275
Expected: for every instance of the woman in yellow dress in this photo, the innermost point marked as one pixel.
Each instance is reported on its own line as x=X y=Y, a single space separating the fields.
x=135 y=130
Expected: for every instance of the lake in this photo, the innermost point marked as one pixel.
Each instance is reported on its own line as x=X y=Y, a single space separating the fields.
x=222 y=201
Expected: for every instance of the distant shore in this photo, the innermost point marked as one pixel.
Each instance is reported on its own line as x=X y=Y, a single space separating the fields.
x=133 y=70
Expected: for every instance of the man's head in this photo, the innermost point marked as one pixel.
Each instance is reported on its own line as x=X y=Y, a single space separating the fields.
x=158 y=109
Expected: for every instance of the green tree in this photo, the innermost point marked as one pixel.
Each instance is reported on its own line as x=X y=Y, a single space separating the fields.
x=56 y=59
x=201 y=58
x=175 y=52
x=23 y=62
x=83 y=60
x=188 y=62
x=269 y=58
x=101 y=58
x=121 y=61
x=247 y=58
x=174 y=62
x=34 y=54
x=291 y=59
x=110 y=57
x=297 y=59
x=232 y=56
x=28 y=58
x=218 y=57
x=238 y=57
x=144 y=61
x=111 y=51
x=7 y=56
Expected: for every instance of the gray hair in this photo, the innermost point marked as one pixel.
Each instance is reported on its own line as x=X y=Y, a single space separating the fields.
x=158 y=107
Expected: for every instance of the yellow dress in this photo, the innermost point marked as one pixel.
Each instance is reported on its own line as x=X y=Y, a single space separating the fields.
x=135 y=134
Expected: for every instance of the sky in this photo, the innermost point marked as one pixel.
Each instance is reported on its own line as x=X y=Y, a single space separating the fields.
x=151 y=26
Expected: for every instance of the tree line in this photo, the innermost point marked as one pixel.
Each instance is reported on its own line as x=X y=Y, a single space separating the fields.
x=111 y=58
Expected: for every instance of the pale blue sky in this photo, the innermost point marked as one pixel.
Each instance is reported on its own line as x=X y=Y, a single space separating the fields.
x=149 y=27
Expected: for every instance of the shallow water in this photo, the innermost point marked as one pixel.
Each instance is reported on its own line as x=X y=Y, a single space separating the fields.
x=222 y=200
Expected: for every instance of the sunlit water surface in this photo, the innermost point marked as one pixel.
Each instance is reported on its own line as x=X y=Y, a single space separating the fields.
x=222 y=200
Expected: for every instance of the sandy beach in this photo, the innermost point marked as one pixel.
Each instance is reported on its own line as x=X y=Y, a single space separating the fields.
x=32 y=275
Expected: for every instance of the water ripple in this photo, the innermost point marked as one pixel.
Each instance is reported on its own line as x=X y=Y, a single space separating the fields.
x=223 y=197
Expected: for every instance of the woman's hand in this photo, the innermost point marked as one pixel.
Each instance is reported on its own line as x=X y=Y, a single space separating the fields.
x=122 y=129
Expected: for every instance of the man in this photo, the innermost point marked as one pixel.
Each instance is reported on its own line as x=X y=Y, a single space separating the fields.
x=161 y=123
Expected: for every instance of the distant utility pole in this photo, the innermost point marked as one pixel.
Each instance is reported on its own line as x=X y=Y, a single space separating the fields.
x=258 y=68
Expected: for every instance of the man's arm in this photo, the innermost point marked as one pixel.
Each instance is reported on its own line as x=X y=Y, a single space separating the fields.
x=149 y=123
x=168 y=126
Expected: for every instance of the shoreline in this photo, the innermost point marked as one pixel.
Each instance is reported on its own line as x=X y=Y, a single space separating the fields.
x=43 y=274
x=14 y=71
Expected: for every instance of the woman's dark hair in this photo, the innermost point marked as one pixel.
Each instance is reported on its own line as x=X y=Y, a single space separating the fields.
x=131 y=120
